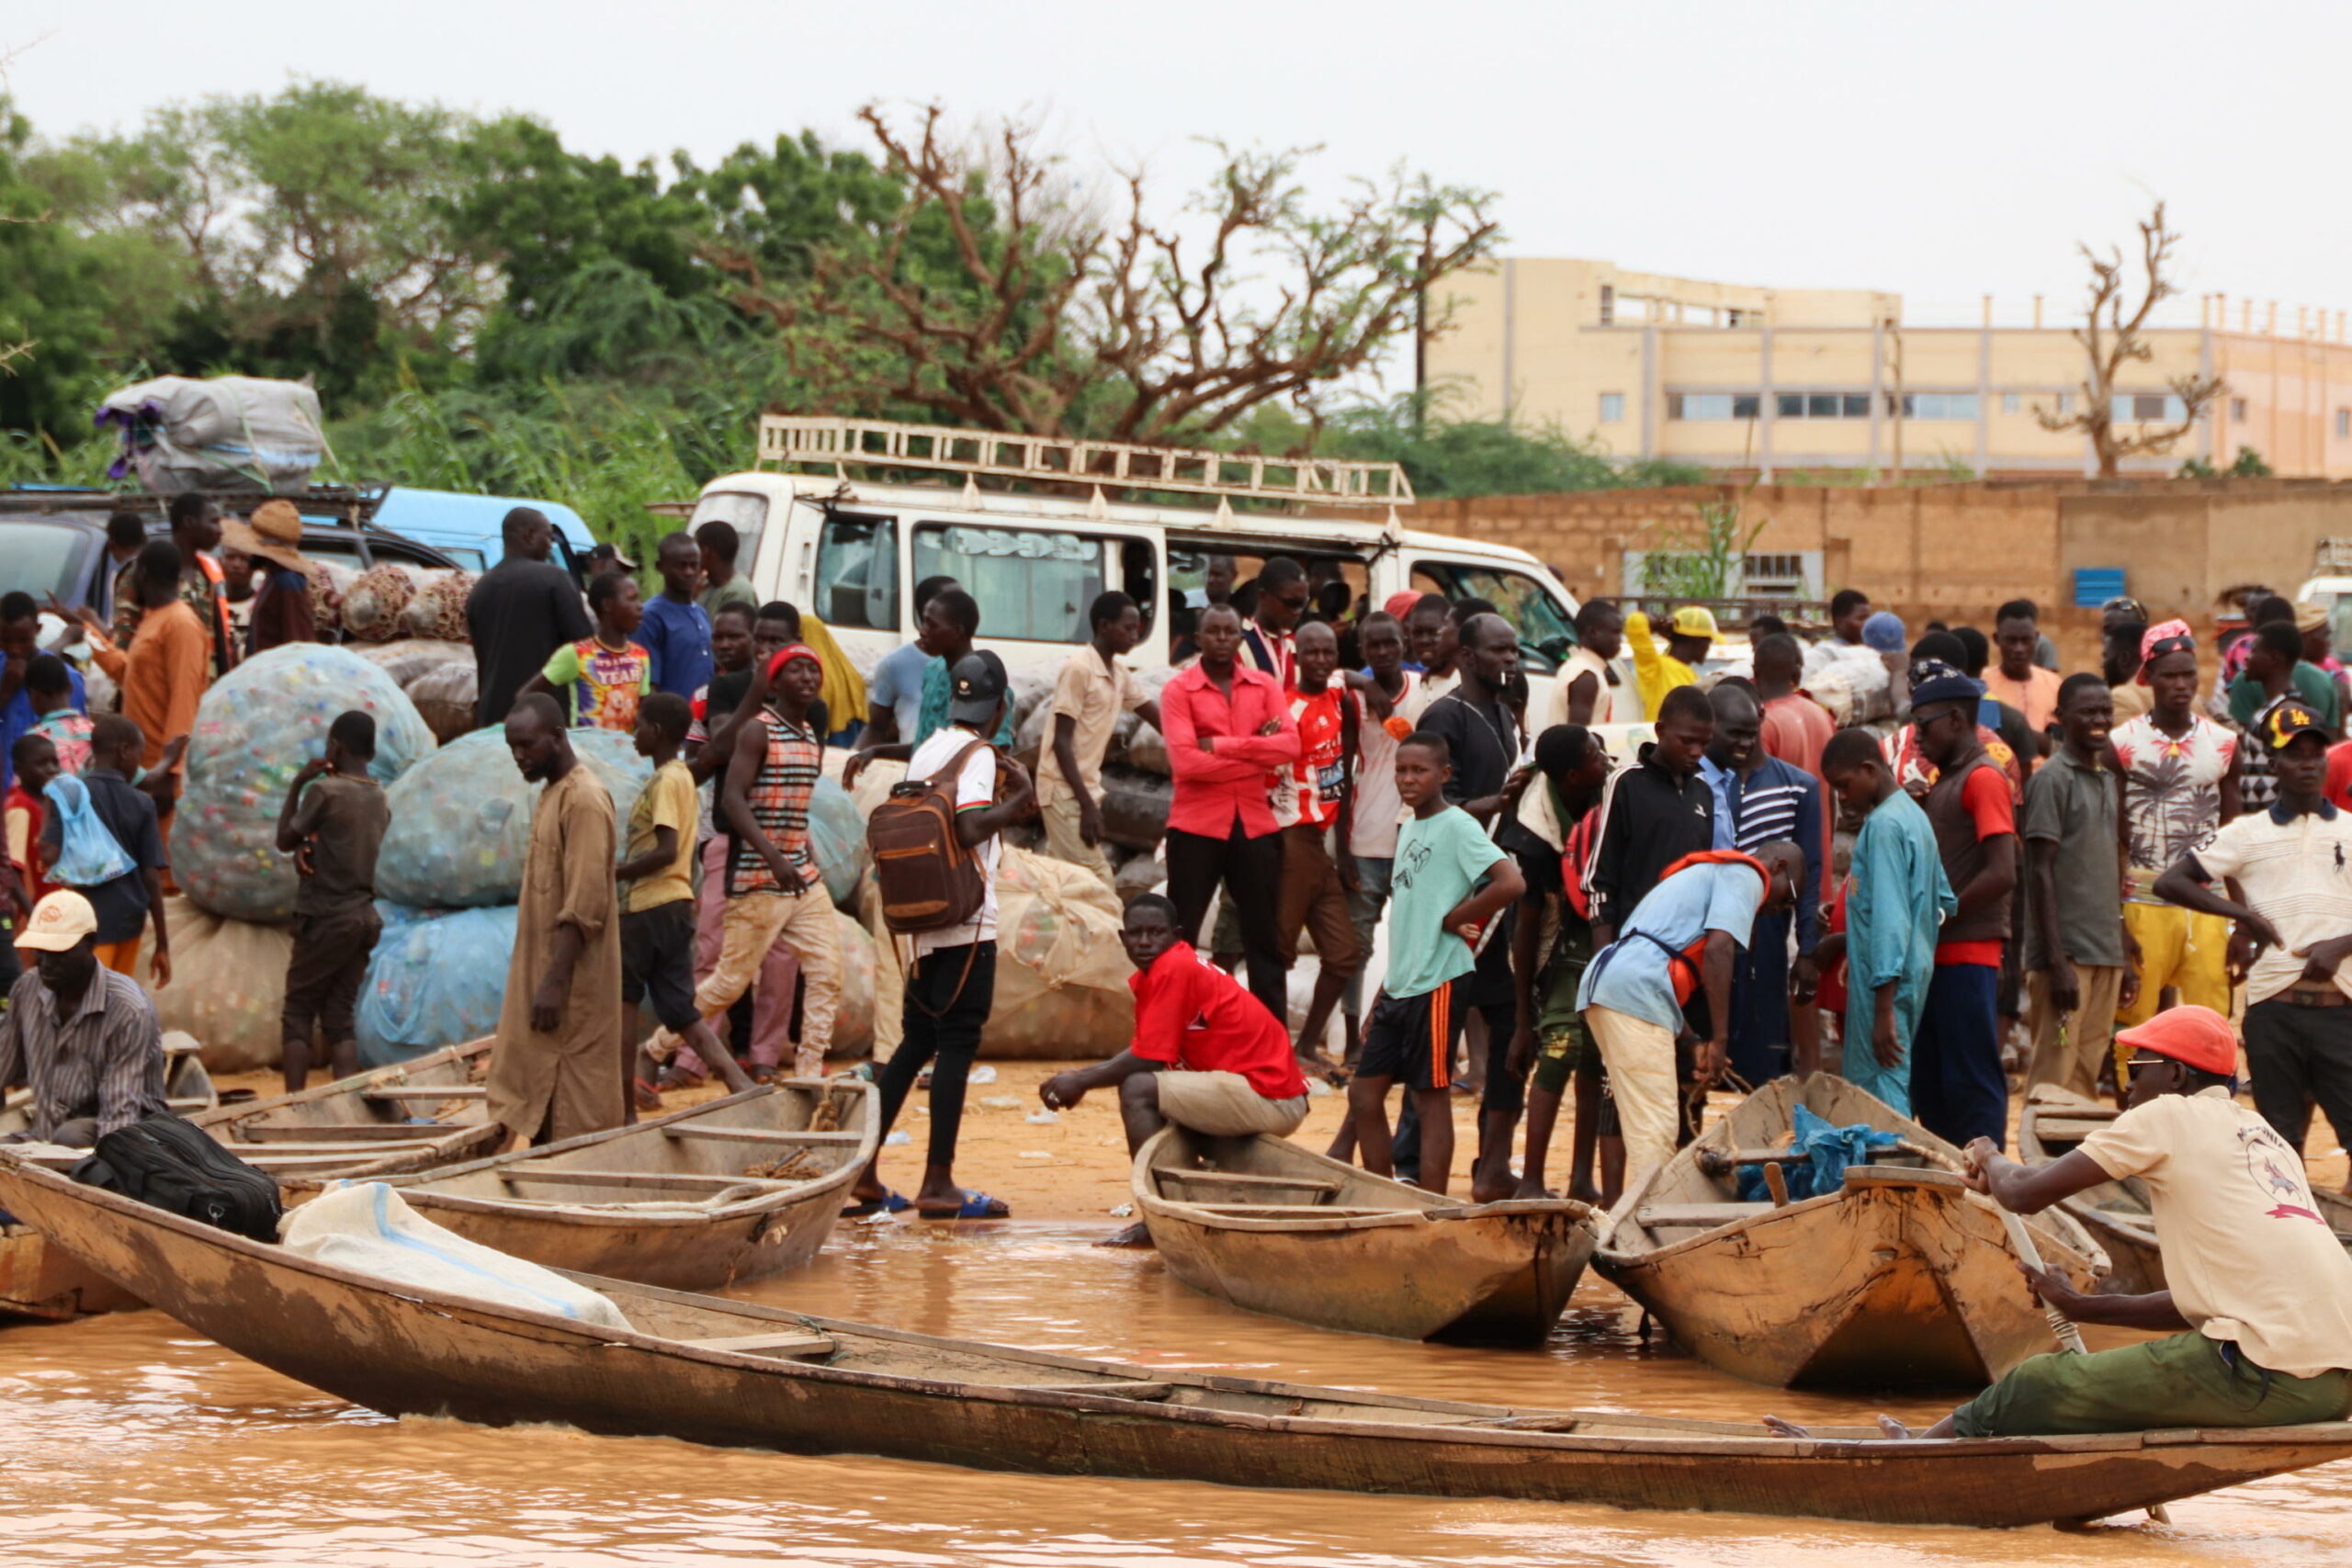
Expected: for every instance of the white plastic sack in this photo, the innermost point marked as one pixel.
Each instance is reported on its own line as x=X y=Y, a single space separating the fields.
x=409 y=658
x=368 y=1228
x=254 y=731
x=227 y=987
x=223 y=432
x=461 y=819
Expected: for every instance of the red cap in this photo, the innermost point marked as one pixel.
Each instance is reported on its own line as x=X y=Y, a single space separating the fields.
x=1401 y=604
x=2196 y=1036
x=791 y=651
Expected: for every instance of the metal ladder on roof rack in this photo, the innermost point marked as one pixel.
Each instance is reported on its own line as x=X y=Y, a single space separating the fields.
x=793 y=440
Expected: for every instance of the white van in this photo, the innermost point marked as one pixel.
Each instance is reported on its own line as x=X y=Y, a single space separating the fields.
x=834 y=520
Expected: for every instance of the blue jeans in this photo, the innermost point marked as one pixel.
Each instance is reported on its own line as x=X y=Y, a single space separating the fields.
x=1365 y=906
x=1958 y=1091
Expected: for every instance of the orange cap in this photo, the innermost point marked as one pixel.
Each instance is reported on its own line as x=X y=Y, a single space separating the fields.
x=2196 y=1036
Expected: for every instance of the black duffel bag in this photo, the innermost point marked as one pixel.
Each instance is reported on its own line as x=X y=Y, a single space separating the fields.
x=167 y=1162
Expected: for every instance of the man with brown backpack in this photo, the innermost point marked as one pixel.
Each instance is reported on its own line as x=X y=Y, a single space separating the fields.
x=935 y=845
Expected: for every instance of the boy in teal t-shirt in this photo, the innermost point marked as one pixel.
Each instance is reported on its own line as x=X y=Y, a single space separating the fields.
x=1437 y=909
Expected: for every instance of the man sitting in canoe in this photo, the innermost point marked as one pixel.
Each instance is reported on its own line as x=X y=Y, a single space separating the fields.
x=82 y=1036
x=2261 y=1289
x=1235 y=1072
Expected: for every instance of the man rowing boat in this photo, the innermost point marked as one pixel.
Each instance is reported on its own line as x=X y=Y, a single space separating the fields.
x=2261 y=1289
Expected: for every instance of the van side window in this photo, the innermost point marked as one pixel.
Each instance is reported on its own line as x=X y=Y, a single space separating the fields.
x=1546 y=630
x=747 y=512
x=1033 y=584
x=857 y=572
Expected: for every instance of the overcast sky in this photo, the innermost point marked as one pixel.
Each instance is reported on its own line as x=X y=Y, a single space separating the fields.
x=1941 y=151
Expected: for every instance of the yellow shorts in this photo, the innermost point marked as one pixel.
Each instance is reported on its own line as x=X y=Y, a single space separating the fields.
x=2182 y=948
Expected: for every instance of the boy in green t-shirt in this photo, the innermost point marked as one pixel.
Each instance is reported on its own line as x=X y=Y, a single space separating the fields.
x=658 y=901
x=1437 y=912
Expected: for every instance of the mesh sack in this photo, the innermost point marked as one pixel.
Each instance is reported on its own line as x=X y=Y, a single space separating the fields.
x=438 y=610
x=372 y=604
x=411 y=657
x=461 y=819
x=837 y=840
x=438 y=978
x=254 y=731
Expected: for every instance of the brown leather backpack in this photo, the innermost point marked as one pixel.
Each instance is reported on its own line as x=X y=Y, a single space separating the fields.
x=929 y=881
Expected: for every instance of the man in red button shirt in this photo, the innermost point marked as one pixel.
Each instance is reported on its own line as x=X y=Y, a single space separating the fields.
x=1231 y=738
x=1234 y=1074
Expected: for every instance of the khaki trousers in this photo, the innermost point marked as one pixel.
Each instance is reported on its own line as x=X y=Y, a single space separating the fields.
x=1064 y=842
x=1639 y=1056
x=2067 y=1045
x=756 y=922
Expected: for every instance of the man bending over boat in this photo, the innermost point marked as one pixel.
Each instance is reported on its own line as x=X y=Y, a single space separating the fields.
x=1206 y=1055
x=2261 y=1289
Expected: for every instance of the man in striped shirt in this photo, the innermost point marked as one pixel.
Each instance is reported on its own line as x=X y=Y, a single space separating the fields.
x=1758 y=798
x=82 y=1036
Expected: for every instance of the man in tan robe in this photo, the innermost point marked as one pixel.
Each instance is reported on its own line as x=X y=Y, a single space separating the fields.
x=556 y=1071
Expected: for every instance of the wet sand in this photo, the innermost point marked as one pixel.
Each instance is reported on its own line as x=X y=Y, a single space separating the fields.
x=127 y=1440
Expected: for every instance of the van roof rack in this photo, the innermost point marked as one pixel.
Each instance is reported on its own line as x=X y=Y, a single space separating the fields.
x=798 y=440
x=356 y=503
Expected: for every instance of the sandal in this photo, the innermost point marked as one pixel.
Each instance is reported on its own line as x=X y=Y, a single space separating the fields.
x=648 y=1097
x=977 y=1205
x=888 y=1203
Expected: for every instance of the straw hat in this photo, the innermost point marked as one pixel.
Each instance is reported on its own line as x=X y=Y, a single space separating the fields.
x=274 y=533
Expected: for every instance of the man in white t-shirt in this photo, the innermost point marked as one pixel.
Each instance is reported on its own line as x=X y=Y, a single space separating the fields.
x=2260 y=1296
x=952 y=982
x=2291 y=865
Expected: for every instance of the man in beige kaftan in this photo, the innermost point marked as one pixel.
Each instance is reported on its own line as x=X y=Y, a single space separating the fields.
x=557 y=1069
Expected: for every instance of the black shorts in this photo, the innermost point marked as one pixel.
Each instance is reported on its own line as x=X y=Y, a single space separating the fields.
x=1411 y=1039
x=658 y=960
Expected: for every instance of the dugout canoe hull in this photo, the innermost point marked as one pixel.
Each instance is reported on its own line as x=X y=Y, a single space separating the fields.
x=865 y=1390
x=1901 y=1281
x=38 y=1280
x=380 y=1122
x=2116 y=1213
x=696 y=1218
x=1308 y=1238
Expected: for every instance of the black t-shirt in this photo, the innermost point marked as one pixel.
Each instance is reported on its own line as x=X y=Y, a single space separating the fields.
x=1485 y=742
x=129 y=813
x=518 y=615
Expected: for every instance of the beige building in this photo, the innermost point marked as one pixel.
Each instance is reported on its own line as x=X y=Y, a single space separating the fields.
x=1781 y=381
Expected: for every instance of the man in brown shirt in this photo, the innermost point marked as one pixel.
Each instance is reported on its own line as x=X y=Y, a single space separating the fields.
x=558 y=1070
x=333 y=824
x=169 y=664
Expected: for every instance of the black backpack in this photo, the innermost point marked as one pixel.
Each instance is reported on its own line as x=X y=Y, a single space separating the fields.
x=164 y=1161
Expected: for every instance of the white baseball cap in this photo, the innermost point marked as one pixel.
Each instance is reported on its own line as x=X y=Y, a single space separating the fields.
x=58 y=921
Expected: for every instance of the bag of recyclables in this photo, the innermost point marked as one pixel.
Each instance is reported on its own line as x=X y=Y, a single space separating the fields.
x=439 y=977
x=222 y=433
x=254 y=731
x=368 y=1228
x=227 y=987
x=461 y=819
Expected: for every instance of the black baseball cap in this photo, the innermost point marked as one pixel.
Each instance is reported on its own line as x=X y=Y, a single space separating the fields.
x=979 y=684
x=2289 y=719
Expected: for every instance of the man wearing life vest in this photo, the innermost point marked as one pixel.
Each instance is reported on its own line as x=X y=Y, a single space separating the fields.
x=1670 y=972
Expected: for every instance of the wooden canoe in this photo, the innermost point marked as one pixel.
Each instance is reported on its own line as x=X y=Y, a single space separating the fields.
x=2115 y=1213
x=1276 y=1228
x=38 y=1279
x=1902 y=1280
x=735 y=1190
x=730 y=1374
x=432 y=1110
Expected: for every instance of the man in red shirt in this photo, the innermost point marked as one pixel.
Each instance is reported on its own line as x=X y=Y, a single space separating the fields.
x=1314 y=807
x=1958 y=1091
x=1234 y=1074
x=1230 y=738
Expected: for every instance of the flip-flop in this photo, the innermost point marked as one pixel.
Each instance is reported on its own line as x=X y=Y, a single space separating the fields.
x=888 y=1203
x=978 y=1205
x=648 y=1097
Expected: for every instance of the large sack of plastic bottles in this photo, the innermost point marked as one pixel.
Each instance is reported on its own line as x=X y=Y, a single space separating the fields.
x=438 y=978
x=227 y=987
x=254 y=731
x=461 y=819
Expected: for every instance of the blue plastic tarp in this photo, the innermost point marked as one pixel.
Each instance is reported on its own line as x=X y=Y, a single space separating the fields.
x=1832 y=1150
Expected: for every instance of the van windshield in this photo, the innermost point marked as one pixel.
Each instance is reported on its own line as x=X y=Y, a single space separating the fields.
x=1545 y=627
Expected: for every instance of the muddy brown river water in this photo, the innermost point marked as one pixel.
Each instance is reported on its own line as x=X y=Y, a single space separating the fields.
x=126 y=1439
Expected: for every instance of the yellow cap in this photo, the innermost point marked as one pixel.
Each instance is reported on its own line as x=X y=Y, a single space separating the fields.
x=1696 y=620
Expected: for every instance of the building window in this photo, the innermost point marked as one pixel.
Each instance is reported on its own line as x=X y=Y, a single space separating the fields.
x=2343 y=424
x=1608 y=305
x=2065 y=405
x=1822 y=405
x=2149 y=406
x=1731 y=317
x=2012 y=403
x=1612 y=408
x=1937 y=405
x=2237 y=410
x=1711 y=405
